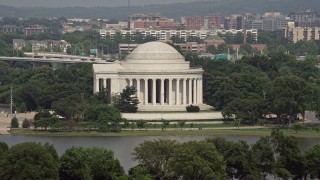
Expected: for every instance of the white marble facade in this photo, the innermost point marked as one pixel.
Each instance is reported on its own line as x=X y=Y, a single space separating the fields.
x=163 y=79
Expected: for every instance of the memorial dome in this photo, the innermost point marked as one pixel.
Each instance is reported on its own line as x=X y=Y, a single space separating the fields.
x=153 y=52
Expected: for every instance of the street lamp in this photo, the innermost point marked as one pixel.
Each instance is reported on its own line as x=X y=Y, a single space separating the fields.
x=264 y=92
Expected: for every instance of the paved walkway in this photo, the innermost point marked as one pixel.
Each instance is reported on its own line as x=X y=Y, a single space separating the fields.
x=5 y=121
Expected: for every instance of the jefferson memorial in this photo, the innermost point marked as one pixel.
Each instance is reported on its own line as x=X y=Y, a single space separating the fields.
x=163 y=79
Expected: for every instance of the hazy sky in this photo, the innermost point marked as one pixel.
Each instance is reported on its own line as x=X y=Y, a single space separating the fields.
x=84 y=3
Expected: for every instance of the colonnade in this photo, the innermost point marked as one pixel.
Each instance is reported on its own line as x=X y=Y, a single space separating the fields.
x=160 y=91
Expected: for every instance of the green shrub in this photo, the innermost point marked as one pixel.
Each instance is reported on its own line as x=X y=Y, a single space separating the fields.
x=26 y=123
x=14 y=123
x=193 y=108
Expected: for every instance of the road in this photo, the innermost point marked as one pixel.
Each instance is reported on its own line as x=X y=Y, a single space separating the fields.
x=311 y=118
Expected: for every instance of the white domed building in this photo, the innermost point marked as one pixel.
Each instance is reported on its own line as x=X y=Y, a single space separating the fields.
x=163 y=79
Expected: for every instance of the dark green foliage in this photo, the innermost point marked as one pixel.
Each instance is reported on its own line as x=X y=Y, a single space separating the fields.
x=89 y=163
x=14 y=122
x=51 y=123
x=3 y=150
x=197 y=160
x=239 y=162
x=313 y=159
x=29 y=161
x=154 y=156
x=127 y=100
x=192 y=108
x=42 y=114
x=26 y=123
x=141 y=124
x=106 y=117
x=139 y=173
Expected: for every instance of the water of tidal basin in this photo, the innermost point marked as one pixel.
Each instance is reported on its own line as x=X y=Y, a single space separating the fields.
x=123 y=146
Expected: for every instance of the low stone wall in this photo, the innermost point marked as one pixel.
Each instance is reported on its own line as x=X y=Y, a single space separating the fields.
x=173 y=116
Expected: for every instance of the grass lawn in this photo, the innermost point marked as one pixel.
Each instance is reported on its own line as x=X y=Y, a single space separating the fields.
x=169 y=132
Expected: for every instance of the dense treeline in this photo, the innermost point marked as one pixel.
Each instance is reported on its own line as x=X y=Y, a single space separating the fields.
x=175 y=10
x=275 y=156
x=68 y=92
x=255 y=86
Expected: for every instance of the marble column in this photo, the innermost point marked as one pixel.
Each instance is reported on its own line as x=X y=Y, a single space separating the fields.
x=96 y=85
x=177 y=91
x=162 y=92
x=154 y=90
x=184 y=90
x=190 y=91
x=194 y=91
x=138 y=89
x=198 y=91
x=201 y=91
x=104 y=82
x=170 y=91
x=146 y=91
x=130 y=82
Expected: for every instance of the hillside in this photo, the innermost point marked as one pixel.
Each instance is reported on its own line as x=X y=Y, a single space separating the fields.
x=225 y=7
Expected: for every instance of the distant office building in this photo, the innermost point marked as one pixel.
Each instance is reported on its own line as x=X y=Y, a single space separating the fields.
x=201 y=22
x=44 y=44
x=234 y=21
x=161 y=35
x=253 y=33
x=37 y=29
x=120 y=25
x=269 y=21
x=10 y=29
x=150 y=21
x=127 y=48
x=295 y=34
x=192 y=47
x=213 y=40
x=305 y=19
x=304 y=16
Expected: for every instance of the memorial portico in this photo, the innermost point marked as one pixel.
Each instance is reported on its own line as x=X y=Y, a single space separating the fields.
x=163 y=79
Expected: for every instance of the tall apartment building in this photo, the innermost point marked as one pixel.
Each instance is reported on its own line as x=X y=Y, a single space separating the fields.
x=201 y=22
x=296 y=34
x=150 y=21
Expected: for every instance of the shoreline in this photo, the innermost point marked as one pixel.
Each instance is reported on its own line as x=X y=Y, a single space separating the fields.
x=261 y=132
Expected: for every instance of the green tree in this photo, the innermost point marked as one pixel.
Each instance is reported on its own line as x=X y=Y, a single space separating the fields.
x=290 y=96
x=109 y=120
x=154 y=156
x=74 y=164
x=103 y=165
x=26 y=123
x=313 y=159
x=14 y=122
x=141 y=124
x=236 y=123
x=127 y=100
x=181 y=124
x=198 y=160
x=264 y=156
x=3 y=150
x=29 y=161
x=165 y=124
x=139 y=173
x=239 y=163
x=297 y=127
